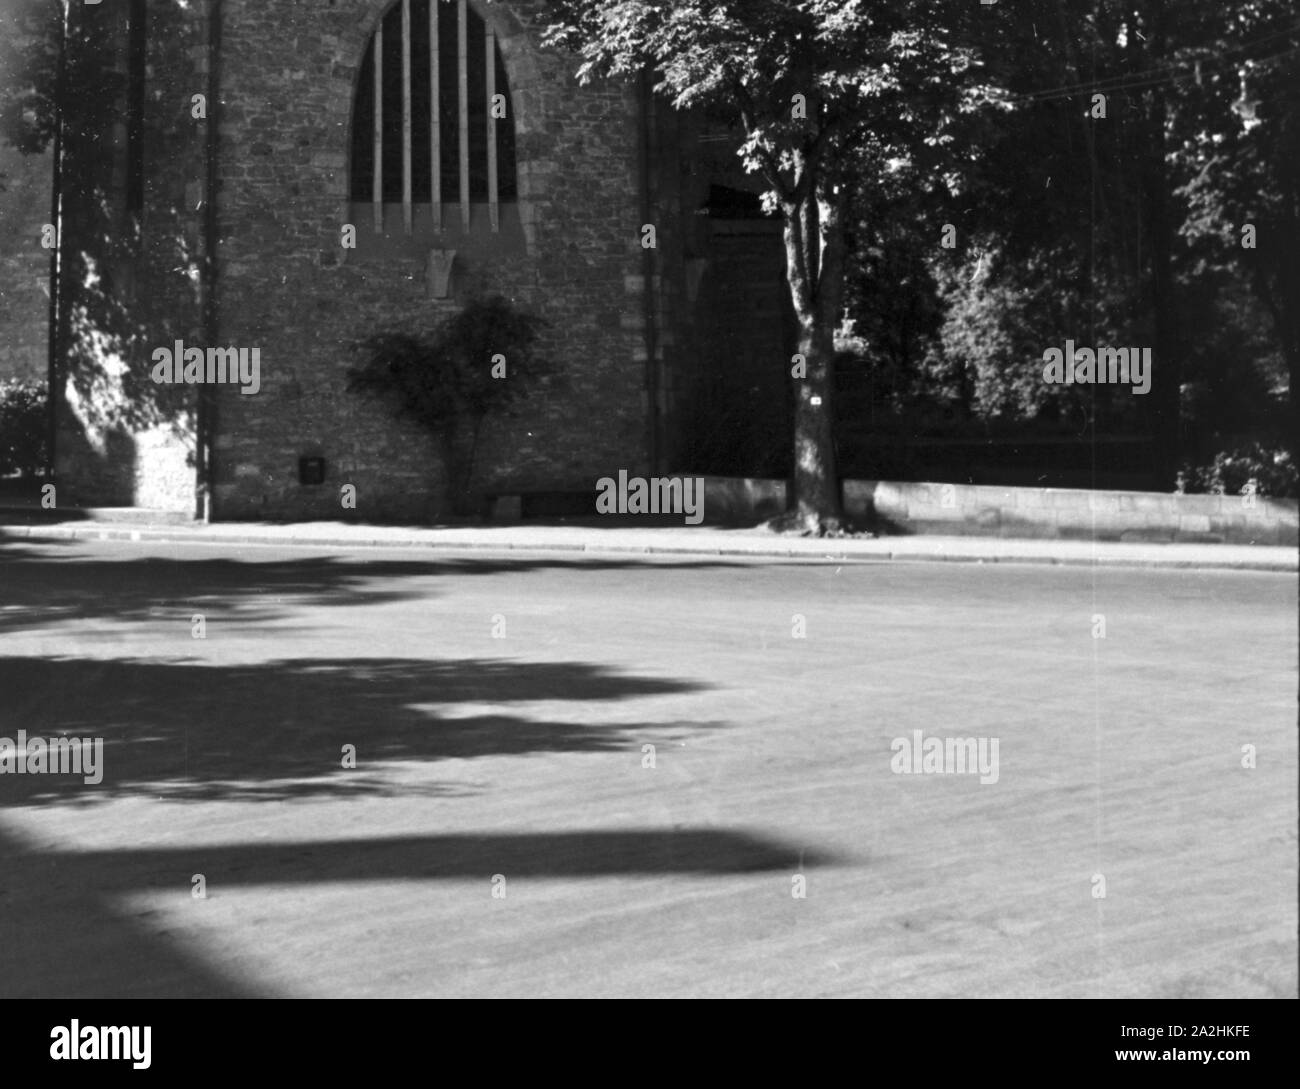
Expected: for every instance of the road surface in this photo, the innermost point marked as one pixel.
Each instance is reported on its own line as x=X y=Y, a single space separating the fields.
x=586 y=776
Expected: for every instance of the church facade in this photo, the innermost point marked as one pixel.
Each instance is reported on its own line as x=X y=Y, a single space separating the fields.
x=277 y=182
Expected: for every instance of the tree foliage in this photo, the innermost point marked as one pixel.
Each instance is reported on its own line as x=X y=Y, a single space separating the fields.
x=22 y=427
x=30 y=31
x=1107 y=205
x=823 y=93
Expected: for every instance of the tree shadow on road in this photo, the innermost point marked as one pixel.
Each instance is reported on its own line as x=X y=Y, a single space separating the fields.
x=72 y=922
x=40 y=588
x=71 y=931
x=61 y=937
x=277 y=730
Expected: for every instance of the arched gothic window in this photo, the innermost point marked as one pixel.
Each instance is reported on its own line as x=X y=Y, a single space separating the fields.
x=433 y=122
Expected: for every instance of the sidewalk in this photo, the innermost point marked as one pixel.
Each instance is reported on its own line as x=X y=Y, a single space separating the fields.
x=650 y=541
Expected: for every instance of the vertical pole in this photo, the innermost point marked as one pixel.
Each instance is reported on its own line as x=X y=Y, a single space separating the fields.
x=136 y=57
x=55 y=342
x=462 y=57
x=494 y=208
x=377 y=176
x=209 y=417
x=406 y=115
x=645 y=149
x=435 y=115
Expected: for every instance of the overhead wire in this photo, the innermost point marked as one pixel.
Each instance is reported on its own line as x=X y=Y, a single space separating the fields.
x=1162 y=73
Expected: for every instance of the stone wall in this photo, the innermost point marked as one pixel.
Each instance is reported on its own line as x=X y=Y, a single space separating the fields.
x=1072 y=514
x=286 y=286
x=26 y=182
x=24 y=264
x=1064 y=513
x=282 y=281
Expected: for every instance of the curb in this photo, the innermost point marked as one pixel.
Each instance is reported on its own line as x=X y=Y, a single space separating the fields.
x=925 y=550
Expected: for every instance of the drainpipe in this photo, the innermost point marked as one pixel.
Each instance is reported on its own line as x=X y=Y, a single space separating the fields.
x=55 y=338
x=207 y=413
x=647 y=271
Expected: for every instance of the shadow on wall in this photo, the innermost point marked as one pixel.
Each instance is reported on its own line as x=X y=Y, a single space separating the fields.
x=130 y=255
x=103 y=467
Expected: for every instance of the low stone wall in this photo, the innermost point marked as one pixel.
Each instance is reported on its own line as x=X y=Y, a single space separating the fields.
x=24 y=264
x=738 y=499
x=982 y=510
x=989 y=511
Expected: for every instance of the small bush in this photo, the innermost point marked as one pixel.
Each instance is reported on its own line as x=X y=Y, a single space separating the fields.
x=1231 y=472
x=22 y=427
x=447 y=380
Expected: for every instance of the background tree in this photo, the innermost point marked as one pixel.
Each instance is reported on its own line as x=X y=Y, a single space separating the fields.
x=1107 y=205
x=22 y=427
x=30 y=35
x=1238 y=163
x=825 y=93
x=120 y=289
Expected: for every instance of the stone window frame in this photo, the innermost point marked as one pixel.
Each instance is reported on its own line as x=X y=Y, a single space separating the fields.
x=519 y=57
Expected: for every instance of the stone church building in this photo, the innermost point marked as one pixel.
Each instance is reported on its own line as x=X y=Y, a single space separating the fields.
x=293 y=177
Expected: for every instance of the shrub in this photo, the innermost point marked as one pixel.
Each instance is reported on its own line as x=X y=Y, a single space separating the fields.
x=445 y=380
x=22 y=427
x=1230 y=473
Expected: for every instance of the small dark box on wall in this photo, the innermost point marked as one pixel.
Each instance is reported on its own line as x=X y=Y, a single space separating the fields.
x=311 y=470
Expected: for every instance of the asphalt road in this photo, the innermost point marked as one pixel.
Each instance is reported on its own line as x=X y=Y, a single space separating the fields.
x=503 y=832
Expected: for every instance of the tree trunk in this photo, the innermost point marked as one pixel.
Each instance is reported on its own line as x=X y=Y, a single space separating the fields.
x=1274 y=291
x=814 y=244
x=816 y=500
x=1288 y=331
x=1289 y=334
x=458 y=453
x=1166 y=366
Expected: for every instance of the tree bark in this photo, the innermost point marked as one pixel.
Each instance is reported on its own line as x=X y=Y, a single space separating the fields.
x=814 y=243
x=1166 y=366
x=1273 y=291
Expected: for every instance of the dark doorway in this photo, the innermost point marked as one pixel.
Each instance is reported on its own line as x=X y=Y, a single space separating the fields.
x=741 y=415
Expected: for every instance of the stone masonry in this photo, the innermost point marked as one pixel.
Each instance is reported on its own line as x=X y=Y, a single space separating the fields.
x=280 y=279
